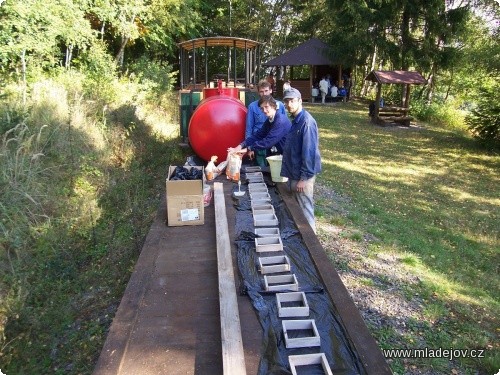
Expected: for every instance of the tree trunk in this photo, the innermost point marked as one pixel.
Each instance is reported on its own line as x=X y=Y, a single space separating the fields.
x=69 y=56
x=405 y=45
x=366 y=84
x=431 y=83
x=430 y=88
x=121 y=52
x=23 y=74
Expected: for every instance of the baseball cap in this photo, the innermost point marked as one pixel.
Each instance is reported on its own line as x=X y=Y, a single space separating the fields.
x=291 y=93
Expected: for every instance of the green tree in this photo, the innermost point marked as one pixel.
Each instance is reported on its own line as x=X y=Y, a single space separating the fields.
x=33 y=31
x=398 y=34
x=478 y=77
x=484 y=120
x=28 y=35
x=167 y=23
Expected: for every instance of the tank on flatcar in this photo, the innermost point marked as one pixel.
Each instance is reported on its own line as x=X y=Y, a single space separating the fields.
x=217 y=123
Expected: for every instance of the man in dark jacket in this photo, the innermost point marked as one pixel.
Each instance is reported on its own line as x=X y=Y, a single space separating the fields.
x=301 y=157
x=272 y=134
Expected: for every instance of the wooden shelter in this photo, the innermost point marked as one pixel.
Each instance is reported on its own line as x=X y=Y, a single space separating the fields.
x=315 y=54
x=193 y=53
x=384 y=115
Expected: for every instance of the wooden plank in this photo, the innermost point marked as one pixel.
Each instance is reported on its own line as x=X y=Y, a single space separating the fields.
x=393 y=109
x=233 y=358
x=398 y=118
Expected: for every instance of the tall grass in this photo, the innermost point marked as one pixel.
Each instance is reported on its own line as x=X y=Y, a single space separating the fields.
x=80 y=183
x=442 y=114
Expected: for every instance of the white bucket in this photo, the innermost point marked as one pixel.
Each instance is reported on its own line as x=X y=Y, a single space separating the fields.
x=275 y=165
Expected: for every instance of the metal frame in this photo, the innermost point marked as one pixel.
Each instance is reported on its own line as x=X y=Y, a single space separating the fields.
x=188 y=50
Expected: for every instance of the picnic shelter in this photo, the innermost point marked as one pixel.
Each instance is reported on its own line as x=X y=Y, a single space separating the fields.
x=398 y=114
x=313 y=53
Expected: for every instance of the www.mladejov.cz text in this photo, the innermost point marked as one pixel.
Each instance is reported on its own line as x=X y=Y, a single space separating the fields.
x=450 y=353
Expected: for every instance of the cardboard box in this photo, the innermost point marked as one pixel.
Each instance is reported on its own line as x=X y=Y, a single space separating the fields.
x=185 y=200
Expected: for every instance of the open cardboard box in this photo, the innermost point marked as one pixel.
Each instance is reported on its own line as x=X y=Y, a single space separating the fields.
x=185 y=200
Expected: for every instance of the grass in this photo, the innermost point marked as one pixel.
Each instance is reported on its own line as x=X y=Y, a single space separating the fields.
x=80 y=186
x=431 y=196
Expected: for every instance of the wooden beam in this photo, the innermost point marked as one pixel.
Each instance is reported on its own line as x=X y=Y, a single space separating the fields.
x=366 y=347
x=233 y=358
x=407 y=97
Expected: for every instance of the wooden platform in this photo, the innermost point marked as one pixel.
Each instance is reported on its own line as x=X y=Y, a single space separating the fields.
x=168 y=321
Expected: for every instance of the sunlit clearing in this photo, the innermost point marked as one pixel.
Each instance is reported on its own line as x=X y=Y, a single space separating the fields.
x=460 y=195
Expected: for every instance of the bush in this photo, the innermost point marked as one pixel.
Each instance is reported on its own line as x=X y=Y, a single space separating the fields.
x=155 y=78
x=484 y=119
x=438 y=113
x=100 y=71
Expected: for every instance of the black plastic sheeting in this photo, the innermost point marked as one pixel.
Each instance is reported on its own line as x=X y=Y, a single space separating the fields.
x=274 y=355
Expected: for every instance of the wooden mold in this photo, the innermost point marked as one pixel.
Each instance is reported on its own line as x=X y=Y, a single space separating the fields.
x=253 y=174
x=267 y=232
x=279 y=263
x=292 y=304
x=259 y=202
x=263 y=244
x=255 y=179
x=258 y=189
x=263 y=211
x=300 y=333
x=257 y=186
x=260 y=195
x=263 y=207
x=265 y=220
x=252 y=169
x=279 y=283
x=309 y=360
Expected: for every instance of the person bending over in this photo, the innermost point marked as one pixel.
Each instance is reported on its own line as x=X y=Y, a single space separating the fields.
x=271 y=137
x=255 y=119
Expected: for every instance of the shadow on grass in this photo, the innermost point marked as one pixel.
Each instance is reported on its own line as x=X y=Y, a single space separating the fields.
x=102 y=203
x=430 y=192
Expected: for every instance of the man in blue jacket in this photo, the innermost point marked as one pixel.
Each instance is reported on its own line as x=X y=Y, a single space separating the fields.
x=301 y=158
x=273 y=133
x=255 y=118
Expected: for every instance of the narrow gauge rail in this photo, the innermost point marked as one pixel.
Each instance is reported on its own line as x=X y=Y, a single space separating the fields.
x=168 y=321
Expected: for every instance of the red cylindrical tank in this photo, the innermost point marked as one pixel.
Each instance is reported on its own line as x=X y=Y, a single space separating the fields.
x=228 y=91
x=217 y=123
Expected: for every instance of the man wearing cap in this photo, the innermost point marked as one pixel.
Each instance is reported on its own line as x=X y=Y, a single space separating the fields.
x=301 y=158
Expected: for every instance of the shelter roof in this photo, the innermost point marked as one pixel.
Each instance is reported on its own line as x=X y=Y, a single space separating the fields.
x=396 y=76
x=311 y=52
x=224 y=41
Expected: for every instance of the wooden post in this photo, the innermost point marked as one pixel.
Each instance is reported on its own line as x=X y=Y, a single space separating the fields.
x=407 y=100
x=233 y=357
x=311 y=80
x=377 y=101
